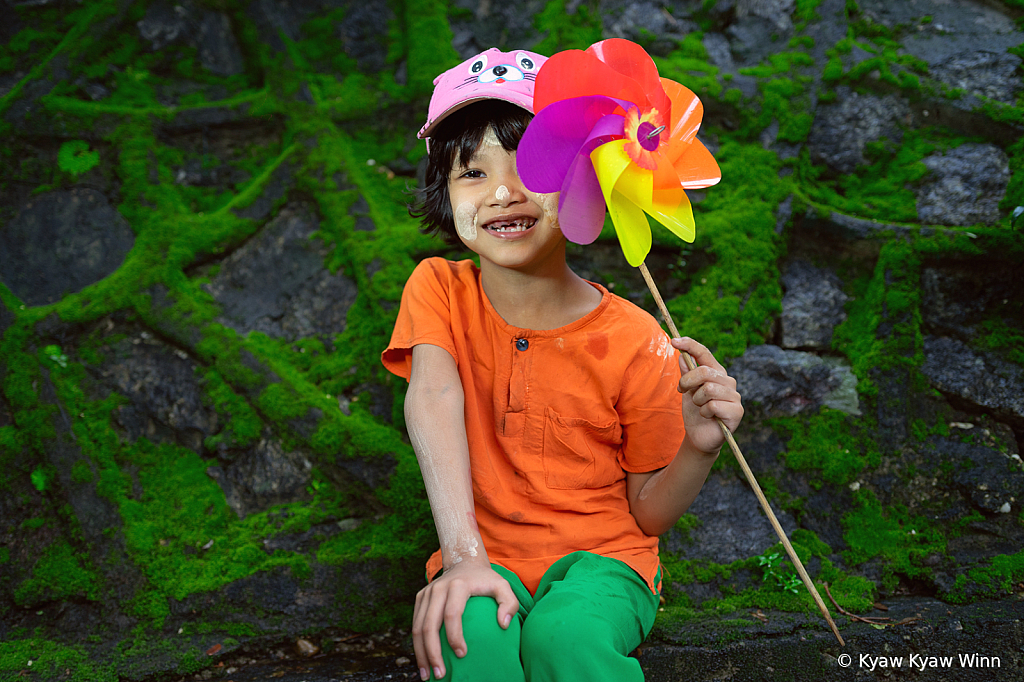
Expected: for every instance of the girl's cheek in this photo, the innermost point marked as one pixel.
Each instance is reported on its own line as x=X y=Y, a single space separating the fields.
x=465 y=220
x=549 y=204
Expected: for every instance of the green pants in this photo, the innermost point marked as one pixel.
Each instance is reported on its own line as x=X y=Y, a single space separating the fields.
x=588 y=614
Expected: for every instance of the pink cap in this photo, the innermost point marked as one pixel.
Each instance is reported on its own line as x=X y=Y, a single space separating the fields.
x=492 y=74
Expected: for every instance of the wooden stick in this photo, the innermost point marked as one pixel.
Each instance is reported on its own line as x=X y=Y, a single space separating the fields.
x=691 y=364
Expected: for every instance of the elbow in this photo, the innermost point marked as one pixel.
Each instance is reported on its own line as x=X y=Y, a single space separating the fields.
x=429 y=401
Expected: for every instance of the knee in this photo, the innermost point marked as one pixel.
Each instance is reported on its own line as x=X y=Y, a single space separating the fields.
x=555 y=637
x=485 y=639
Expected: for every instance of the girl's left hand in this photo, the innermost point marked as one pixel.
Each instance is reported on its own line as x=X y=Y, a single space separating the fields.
x=708 y=392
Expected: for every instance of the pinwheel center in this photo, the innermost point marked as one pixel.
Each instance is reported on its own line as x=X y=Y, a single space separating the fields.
x=649 y=135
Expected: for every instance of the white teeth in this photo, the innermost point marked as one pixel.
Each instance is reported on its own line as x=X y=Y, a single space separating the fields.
x=517 y=226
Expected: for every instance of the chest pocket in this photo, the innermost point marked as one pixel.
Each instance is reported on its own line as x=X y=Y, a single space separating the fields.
x=579 y=453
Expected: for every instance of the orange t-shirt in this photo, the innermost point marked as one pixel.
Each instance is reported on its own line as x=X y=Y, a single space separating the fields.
x=554 y=418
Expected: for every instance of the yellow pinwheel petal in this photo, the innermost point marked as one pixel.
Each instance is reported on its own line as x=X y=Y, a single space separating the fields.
x=629 y=193
x=632 y=228
x=612 y=163
x=670 y=207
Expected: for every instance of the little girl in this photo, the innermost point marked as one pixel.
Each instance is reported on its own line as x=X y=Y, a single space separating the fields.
x=555 y=426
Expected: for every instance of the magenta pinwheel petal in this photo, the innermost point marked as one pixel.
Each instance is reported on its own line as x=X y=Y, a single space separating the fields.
x=581 y=203
x=556 y=135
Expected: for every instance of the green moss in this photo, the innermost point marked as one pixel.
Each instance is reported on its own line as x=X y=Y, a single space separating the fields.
x=45 y=659
x=994 y=579
x=730 y=304
x=428 y=43
x=899 y=539
x=829 y=444
x=181 y=531
x=892 y=296
x=564 y=31
x=58 y=574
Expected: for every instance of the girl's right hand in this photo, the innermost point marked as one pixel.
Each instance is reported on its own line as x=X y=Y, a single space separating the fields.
x=444 y=600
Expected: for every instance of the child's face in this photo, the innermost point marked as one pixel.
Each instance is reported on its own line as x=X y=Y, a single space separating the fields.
x=496 y=216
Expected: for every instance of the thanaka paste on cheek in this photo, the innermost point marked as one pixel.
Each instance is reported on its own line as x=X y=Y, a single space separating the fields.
x=465 y=221
x=549 y=203
x=502 y=194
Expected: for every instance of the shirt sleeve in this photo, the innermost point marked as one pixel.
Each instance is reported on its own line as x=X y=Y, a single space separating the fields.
x=650 y=406
x=423 y=317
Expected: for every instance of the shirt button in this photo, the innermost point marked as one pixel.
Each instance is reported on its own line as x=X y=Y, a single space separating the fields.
x=522 y=344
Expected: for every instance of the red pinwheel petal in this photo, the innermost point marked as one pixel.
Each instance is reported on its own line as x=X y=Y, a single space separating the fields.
x=631 y=60
x=575 y=73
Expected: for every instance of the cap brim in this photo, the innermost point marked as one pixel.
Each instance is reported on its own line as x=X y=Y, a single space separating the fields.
x=426 y=130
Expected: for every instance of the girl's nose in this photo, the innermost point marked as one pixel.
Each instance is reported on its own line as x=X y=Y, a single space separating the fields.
x=508 y=193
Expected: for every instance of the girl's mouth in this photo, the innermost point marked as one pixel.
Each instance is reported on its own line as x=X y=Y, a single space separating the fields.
x=510 y=226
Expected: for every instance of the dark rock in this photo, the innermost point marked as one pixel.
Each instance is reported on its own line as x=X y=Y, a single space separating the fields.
x=952 y=29
x=207 y=31
x=263 y=476
x=166 y=398
x=361 y=36
x=789 y=382
x=841 y=130
x=309 y=540
x=776 y=13
x=837 y=225
x=645 y=22
x=218 y=49
x=730 y=529
x=991 y=480
x=276 y=17
x=989 y=74
x=506 y=26
x=965 y=185
x=61 y=242
x=977 y=379
x=800 y=646
x=360 y=210
x=957 y=297
x=719 y=52
x=277 y=283
x=165 y=24
x=374 y=472
x=811 y=307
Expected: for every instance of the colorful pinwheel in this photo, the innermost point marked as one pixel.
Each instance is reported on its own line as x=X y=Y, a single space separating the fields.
x=610 y=132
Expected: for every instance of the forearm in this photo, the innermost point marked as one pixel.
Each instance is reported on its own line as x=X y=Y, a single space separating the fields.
x=666 y=495
x=434 y=411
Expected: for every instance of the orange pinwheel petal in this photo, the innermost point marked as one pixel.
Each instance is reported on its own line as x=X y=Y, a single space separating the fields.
x=687 y=111
x=696 y=168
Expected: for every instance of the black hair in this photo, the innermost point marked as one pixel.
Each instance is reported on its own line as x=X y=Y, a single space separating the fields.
x=457 y=136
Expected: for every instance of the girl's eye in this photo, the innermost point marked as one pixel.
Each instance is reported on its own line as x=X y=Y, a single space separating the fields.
x=525 y=62
x=472 y=173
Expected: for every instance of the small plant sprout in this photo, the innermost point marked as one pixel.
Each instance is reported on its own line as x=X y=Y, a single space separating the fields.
x=39 y=479
x=787 y=580
x=75 y=157
x=55 y=354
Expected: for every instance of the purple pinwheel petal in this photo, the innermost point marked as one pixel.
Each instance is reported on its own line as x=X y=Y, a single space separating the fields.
x=581 y=204
x=554 y=137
